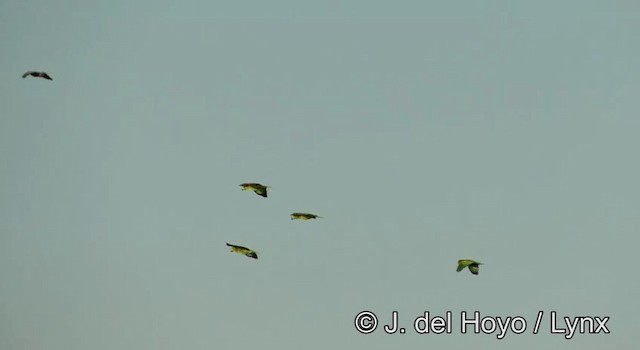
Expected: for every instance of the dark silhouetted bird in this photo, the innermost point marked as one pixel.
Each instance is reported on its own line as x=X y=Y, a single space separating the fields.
x=37 y=75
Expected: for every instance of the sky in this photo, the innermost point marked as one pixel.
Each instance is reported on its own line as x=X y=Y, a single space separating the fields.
x=422 y=132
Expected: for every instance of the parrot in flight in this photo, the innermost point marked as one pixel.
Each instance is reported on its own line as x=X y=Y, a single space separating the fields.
x=259 y=189
x=243 y=250
x=474 y=266
x=304 y=216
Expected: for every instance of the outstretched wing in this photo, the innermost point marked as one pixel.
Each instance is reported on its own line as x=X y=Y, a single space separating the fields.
x=27 y=73
x=460 y=267
x=46 y=76
x=261 y=190
x=474 y=268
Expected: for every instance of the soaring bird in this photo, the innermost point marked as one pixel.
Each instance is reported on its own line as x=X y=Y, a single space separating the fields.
x=243 y=250
x=36 y=74
x=474 y=266
x=259 y=189
x=304 y=216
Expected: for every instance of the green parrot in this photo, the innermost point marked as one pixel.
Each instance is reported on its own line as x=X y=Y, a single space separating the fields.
x=259 y=189
x=474 y=266
x=304 y=216
x=243 y=250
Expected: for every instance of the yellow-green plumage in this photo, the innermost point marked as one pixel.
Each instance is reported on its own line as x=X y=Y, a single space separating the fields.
x=259 y=189
x=243 y=250
x=304 y=216
x=474 y=266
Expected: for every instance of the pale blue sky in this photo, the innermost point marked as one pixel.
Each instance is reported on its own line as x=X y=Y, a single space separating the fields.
x=422 y=131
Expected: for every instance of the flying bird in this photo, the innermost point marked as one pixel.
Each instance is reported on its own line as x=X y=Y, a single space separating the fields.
x=36 y=74
x=304 y=216
x=474 y=266
x=243 y=250
x=259 y=189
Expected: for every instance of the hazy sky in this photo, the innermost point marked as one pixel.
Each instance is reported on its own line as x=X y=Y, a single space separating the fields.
x=422 y=131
